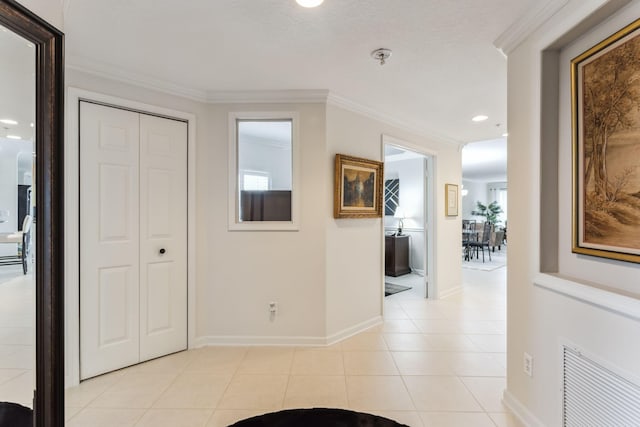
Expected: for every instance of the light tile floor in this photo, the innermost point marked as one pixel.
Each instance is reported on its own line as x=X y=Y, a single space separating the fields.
x=431 y=363
x=17 y=340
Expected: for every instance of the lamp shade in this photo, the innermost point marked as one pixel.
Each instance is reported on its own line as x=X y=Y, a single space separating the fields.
x=399 y=213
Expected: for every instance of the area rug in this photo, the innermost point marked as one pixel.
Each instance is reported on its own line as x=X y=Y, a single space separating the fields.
x=317 y=417
x=14 y=415
x=498 y=260
x=392 y=288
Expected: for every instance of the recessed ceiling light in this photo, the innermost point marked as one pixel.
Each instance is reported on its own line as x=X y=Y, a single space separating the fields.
x=14 y=137
x=309 y=3
x=480 y=118
x=31 y=124
x=506 y=134
x=8 y=122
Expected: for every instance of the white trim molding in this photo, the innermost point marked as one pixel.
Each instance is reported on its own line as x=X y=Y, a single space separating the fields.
x=520 y=411
x=353 y=330
x=306 y=96
x=234 y=223
x=318 y=96
x=389 y=119
x=250 y=340
x=72 y=219
x=110 y=72
x=527 y=24
x=302 y=341
x=590 y=294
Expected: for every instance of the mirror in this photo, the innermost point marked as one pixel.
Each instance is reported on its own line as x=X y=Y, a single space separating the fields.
x=31 y=222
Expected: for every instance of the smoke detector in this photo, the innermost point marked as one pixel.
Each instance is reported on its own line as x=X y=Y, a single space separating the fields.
x=381 y=55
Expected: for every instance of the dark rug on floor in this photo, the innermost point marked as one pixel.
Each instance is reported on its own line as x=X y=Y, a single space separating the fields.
x=14 y=415
x=392 y=288
x=317 y=417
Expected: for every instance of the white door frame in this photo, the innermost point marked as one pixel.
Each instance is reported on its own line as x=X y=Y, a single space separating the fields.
x=430 y=225
x=72 y=219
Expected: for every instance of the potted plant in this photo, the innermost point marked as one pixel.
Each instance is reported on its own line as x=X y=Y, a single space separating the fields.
x=490 y=212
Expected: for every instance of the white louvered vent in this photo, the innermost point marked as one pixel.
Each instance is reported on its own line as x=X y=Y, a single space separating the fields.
x=595 y=396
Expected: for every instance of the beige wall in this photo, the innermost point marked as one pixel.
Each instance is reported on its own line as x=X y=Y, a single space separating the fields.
x=49 y=10
x=240 y=272
x=546 y=311
x=354 y=247
x=326 y=277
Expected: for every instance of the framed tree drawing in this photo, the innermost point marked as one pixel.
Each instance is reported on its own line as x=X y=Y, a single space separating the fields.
x=606 y=147
x=358 y=188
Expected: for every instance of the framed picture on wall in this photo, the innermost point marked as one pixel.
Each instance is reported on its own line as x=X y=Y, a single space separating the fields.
x=606 y=147
x=391 y=196
x=451 y=199
x=358 y=188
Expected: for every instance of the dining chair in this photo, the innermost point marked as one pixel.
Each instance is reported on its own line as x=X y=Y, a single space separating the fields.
x=21 y=237
x=483 y=241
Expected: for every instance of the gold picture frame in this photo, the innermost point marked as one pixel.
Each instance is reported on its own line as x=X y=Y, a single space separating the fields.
x=451 y=199
x=606 y=147
x=358 y=188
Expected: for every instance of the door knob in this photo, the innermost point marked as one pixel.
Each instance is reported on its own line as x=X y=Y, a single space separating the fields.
x=162 y=251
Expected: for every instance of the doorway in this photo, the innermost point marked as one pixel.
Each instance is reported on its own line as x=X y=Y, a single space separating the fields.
x=484 y=199
x=408 y=225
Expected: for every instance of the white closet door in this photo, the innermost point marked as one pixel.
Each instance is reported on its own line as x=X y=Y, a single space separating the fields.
x=109 y=239
x=163 y=236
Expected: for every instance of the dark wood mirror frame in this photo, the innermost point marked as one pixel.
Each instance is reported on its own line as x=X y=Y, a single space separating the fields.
x=48 y=402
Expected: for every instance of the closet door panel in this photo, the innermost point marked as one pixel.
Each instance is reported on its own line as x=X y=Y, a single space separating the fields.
x=109 y=239
x=163 y=236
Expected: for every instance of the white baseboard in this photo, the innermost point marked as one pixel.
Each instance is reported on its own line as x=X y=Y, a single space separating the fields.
x=301 y=341
x=520 y=411
x=229 y=340
x=354 y=330
x=449 y=292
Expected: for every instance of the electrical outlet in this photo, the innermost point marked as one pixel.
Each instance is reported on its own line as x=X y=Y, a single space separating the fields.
x=528 y=364
x=273 y=307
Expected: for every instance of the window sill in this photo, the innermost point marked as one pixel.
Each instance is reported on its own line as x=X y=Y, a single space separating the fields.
x=264 y=226
x=628 y=306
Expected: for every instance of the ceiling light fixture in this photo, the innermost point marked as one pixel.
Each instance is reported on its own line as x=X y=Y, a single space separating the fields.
x=381 y=55
x=506 y=134
x=479 y=118
x=8 y=122
x=309 y=3
x=14 y=137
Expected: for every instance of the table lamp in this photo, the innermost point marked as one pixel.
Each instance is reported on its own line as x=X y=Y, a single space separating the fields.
x=399 y=214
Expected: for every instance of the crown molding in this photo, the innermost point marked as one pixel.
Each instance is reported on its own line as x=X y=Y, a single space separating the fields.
x=313 y=96
x=114 y=73
x=527 y=24
x=371 y=113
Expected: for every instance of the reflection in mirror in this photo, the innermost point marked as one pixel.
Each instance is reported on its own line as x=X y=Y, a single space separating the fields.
x=264 y=169
x=17 y=221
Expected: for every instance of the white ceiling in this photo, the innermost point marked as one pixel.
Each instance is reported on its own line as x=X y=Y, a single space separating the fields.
x=17 y=85
x=485 y=161
x=444 y=69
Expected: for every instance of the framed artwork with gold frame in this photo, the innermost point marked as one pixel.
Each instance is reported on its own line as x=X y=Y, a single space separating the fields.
x=358 y=188
x=606 y=147
x=451 y=199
